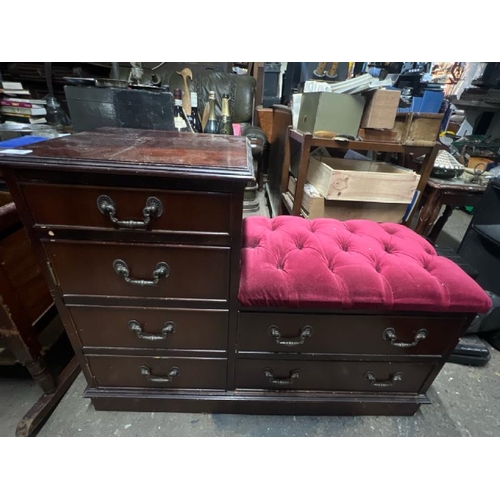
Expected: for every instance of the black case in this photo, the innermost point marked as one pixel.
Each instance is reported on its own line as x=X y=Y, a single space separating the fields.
x=94 y=107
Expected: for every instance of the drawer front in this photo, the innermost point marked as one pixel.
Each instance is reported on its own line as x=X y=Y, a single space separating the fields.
x=83 y=268
x=158 y=372
x=332 y=375
x=346 y=334
x=150 y=328
x=68 y=205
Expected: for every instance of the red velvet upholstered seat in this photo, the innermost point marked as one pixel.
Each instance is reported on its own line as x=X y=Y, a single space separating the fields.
x=357 y=264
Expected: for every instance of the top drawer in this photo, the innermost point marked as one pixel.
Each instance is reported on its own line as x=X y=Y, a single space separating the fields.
x=128 y=208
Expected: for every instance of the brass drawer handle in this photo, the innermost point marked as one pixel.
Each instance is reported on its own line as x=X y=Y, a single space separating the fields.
x=162 y=270
x=174 y=372
x=153 y=208
x=305 y=333
x=136 y=327
x=389 y=334
x=294 y=374
x=370 y=376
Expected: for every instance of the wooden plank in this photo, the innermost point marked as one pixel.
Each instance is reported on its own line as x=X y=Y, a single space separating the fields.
x=417 y=150
x=265 y=121
x=378 y=212
x=374 y=184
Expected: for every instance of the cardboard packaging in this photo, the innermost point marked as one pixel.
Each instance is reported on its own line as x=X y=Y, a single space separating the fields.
x=381 y=108
x=329 y=112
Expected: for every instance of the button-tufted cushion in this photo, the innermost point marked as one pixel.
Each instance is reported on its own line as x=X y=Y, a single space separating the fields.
x=357 y=264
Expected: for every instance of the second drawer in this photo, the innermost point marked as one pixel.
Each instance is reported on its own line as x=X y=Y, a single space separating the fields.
x=140 y=270
x=134 y=327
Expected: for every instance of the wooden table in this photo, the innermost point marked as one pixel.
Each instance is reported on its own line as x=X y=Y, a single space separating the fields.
x=449 y=192
x=307 y=141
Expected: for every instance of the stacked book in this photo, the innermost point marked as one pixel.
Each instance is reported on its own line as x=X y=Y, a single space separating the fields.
x=16 y=105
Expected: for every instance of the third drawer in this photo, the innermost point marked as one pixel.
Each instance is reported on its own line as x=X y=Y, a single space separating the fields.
x=135 y=327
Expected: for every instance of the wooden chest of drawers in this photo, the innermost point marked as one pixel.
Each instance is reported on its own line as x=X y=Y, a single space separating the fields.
x=139 y=234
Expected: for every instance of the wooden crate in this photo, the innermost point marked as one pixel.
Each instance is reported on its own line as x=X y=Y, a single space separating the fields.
x=417 y=129
x=366 y=181
x=314 y=206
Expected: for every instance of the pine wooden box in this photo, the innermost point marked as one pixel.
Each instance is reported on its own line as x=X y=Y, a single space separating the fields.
x=314 y=206
x=417 y=129
x=357 y=180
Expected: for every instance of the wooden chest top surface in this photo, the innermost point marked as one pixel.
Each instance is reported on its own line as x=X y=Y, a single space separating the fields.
x=113 y=150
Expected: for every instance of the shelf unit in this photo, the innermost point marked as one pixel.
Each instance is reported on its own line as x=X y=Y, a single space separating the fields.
x=307 y=141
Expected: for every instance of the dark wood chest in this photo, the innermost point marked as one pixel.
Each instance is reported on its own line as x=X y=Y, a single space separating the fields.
x=139 y=234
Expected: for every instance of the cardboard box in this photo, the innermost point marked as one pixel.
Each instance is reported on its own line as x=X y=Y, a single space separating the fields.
x=314 y=206
x=330 y=112
x=381 y=108
x=357 y=180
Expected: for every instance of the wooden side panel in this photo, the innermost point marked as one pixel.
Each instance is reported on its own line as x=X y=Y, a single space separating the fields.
x=21 y=268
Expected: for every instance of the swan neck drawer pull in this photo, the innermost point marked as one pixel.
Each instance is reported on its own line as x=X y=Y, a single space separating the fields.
x=174 y=372
x=136 y=327
x=162 y=270
x=153 y=208
x=305 y=333
x=389 y=334
x=294 y=374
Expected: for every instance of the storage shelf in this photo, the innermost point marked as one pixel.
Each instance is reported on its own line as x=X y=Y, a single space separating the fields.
x=384 y=147
x=307 y=141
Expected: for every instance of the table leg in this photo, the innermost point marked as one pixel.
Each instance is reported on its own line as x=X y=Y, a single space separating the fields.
x=301 y=178
x=285 y=168
x=425 y=172
x=429 y=212
x=438 y=226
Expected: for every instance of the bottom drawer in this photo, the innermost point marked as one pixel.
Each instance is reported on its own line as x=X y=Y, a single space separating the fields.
x=158 y=372
x=332 y=375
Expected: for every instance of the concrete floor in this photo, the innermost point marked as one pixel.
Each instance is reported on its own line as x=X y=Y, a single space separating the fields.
x=465 y=402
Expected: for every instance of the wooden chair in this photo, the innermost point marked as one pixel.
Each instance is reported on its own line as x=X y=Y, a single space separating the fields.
x=27 y=310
